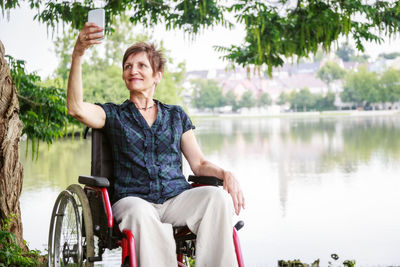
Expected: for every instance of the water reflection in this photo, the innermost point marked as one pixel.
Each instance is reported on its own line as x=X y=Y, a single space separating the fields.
x=57 y=166
x=314 y=186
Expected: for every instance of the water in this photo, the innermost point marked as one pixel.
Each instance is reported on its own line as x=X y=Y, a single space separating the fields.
x=313 y=186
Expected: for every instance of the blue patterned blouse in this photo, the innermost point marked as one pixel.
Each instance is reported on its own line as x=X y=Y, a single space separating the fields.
x=147 y=160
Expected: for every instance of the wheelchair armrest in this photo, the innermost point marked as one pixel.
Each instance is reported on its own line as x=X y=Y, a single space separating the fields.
x=94 y=181
x=206 y=180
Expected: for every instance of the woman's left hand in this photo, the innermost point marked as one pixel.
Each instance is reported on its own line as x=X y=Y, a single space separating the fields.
x=232 y=186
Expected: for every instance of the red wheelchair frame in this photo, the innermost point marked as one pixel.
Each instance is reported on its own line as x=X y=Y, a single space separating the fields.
x=93 y=216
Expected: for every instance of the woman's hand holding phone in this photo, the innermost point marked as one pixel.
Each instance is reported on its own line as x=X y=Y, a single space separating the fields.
x=92 y=33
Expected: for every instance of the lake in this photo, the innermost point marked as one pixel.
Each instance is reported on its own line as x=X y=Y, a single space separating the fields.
x=314 y=186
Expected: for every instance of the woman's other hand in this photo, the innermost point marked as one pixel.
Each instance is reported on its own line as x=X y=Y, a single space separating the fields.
x=232 y=186
x=90 y=34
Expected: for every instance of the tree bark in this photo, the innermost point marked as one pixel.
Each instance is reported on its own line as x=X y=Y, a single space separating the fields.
x=11 y=169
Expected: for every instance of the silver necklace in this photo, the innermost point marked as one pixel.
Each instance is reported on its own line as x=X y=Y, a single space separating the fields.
x=145 y=108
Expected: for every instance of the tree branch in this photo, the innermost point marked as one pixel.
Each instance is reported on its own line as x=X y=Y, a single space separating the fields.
x=27 y=100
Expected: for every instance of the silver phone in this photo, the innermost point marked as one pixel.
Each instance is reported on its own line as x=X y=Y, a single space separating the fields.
x=97 y=16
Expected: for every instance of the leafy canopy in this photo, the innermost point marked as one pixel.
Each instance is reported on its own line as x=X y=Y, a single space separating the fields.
x=274 y=30
x=330 y=72
x=102 y=72
x=43 y=109
x=365 y=87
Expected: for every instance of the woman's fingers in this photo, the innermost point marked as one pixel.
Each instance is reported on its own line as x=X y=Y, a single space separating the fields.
x=238 y=201
x=91 y=34
x=233 y=188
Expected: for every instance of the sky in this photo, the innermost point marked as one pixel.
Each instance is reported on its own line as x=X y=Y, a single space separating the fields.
x=26 y=39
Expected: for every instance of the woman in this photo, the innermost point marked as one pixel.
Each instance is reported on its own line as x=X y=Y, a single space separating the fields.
x=148 y=138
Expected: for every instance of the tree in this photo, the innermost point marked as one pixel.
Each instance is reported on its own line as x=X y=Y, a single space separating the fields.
x=360 y=87
x=40 y=114
x=247 y=100
x=325 y=102
x=392 y=55
x=230 y=99
x=207 y=94
x=345 y=52
x=11 y=169
x=389 y=86
x=283 y=98
x=302 y=99
x=264 y=100
x=330 y=72
x=273 y=32
x=102 y=74
x=360 y=58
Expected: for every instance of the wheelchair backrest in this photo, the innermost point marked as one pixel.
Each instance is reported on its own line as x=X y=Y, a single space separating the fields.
x=102 y=164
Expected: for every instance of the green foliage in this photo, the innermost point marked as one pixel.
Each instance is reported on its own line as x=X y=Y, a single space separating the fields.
x=247 y=100
x=230 y=100
x=283 y=98
x=325 y=102
x=264 y=100
x=364 y=87
x=10 y=253
x=63 y=47
x=345 y=52
x=171 y=86
x=189 y=15
x=273 y=31
x=316 y=263
x=330 y=72
x=207 y=94
x=389 y=86
x=102 y=72
x=318 y=56
x=42 y=109
x=302 y=100
x=392 y=55
x=360 y=58
x=360 y=87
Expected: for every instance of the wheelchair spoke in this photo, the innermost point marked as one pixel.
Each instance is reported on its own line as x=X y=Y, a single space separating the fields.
x=71 y=230
x=65 y=244
x=69 y=240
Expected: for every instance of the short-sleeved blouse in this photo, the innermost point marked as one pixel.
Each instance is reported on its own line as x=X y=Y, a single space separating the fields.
x=147 y=160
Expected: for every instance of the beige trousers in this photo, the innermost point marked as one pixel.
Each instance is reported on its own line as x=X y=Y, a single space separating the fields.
x=207 y=211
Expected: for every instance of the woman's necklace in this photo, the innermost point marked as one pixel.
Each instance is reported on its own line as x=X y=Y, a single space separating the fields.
x=145 y=108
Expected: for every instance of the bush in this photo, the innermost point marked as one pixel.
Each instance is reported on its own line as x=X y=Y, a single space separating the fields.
x=10 y=253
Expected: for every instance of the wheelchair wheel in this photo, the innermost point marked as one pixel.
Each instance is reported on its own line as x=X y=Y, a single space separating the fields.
x=71 y=230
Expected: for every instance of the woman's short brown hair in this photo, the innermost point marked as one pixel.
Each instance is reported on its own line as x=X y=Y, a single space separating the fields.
x=155 y=56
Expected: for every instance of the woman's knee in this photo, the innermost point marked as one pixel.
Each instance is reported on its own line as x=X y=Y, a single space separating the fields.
x=218 y=197
x=133 y=209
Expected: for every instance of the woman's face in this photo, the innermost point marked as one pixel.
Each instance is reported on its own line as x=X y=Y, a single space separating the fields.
x=138 y=74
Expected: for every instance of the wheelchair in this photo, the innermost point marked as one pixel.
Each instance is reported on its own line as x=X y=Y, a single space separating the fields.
x=82 y=226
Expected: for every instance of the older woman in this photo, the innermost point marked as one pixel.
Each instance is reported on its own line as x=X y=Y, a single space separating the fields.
x=148 y=139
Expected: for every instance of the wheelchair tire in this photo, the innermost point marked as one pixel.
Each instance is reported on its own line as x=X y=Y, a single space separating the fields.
x=71 y=240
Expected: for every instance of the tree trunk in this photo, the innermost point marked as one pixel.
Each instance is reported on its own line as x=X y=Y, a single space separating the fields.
x=11 y=170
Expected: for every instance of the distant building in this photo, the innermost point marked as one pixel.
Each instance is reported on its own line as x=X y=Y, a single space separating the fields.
x=284 y=78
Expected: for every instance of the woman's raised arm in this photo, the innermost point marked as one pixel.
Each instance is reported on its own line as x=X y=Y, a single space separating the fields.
x=87 y=113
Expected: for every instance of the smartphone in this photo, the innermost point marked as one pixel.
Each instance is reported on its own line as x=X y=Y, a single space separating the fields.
x=97 y=16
